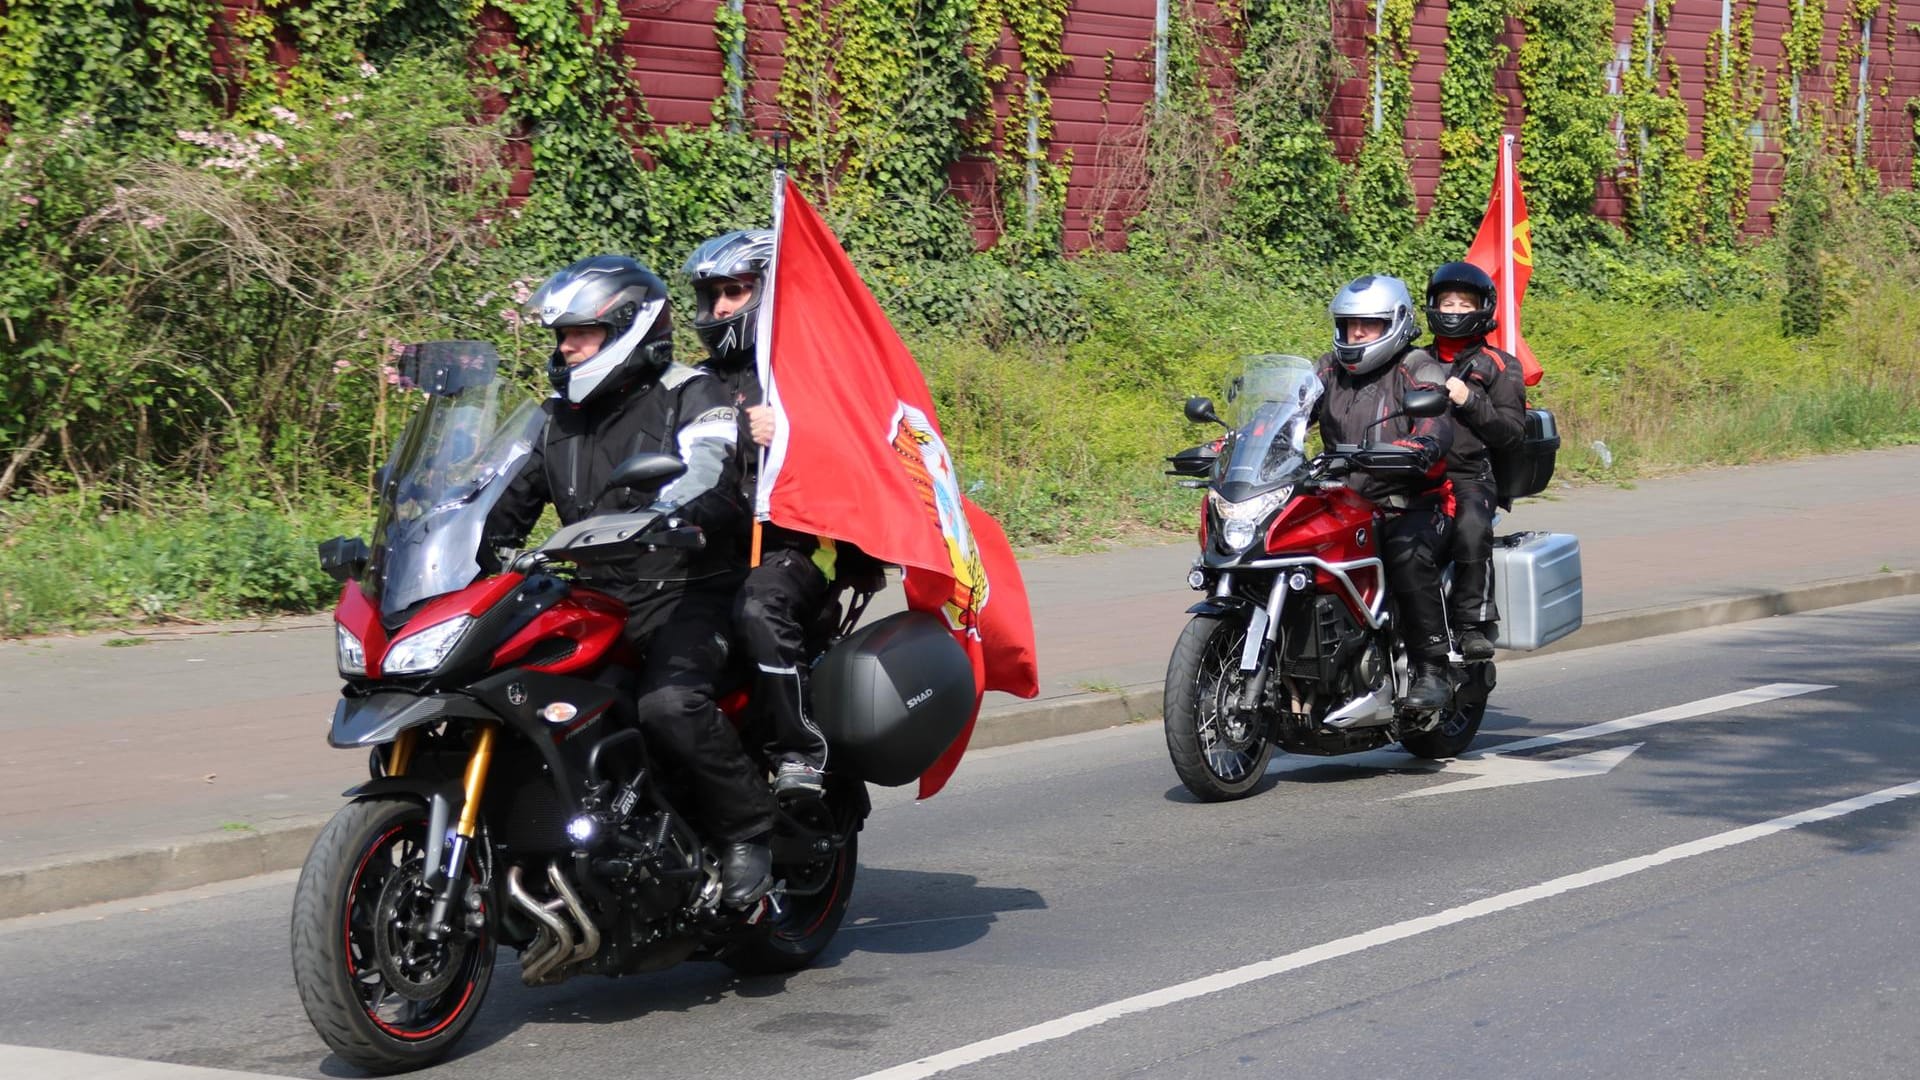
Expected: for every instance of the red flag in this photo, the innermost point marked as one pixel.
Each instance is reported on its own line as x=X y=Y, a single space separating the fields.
x=858 y=456
x=1504 y=249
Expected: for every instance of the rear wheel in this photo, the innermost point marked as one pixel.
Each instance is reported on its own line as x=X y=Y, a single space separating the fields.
x=810 y=913
x=382 y=995
x=1219 y=753
x=1455 y=732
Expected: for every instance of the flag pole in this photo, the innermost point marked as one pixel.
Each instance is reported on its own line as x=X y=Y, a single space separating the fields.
x=1509 y=313
x=763 y=337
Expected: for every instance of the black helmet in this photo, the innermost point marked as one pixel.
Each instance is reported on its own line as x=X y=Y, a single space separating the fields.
x=743 y=255
x=626 y=299
x=1461 y=277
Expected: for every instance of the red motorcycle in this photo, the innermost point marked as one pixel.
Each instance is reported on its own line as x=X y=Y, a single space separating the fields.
x=513 y=799
x=1295 y=647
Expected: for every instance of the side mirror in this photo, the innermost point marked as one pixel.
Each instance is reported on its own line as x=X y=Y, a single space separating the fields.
x=1424 y=403
x=1200 y=411
x=380 y=476
x=646 y=471
x=344 y=557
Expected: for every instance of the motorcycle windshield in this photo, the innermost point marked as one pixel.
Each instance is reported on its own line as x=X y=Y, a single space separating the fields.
x=448 y=469
x=1269 y=404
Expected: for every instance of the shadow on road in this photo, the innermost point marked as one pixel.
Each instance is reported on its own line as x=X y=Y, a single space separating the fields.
x=892 y=911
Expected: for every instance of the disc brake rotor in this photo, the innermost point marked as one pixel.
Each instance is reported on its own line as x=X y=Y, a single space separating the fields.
x=414 y=968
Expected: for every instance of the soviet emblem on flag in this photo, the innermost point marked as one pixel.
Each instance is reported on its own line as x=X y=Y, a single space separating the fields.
x=923 y=454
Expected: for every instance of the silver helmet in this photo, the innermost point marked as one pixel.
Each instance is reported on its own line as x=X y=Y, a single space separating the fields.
x=1375 y=296
x=737 y=256
x=623 y=298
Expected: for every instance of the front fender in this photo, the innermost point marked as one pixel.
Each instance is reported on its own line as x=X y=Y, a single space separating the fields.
x=444 y=798
x=1220 y=605
x=378 y=717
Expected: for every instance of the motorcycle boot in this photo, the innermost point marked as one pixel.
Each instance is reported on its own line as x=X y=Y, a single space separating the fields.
x=1476 y=642
x=1430 y=688
x=746 y=872
x=798 y=746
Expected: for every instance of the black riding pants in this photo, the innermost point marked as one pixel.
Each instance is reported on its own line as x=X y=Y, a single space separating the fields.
x=1471 y=549
x=782 y=597
x=1414 y=543
x=682 y=631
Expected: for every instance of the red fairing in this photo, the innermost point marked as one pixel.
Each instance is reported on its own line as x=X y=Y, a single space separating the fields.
x=1338 y=527
x=355 y=612
x=476 y=598
x=591 y=620
x=1323 y=525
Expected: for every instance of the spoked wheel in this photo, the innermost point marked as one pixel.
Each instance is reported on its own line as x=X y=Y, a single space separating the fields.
x=1219 y=753
x=1458 y=725
x=382 y=995
x=818 y=886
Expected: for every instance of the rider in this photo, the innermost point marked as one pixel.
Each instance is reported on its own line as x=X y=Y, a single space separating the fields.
x=617 y=392
x=1372 y=366
x=791 y=584
x=1489 y=408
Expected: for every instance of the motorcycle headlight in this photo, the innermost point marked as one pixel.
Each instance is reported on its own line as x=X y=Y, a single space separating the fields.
x=1240 y=521
x=421 y=652
x=352 y=657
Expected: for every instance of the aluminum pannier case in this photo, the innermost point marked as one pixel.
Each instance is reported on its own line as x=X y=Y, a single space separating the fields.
x=1536 y=583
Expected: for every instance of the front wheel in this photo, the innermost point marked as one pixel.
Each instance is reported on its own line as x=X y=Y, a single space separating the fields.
x=1219 y=753
x=383 y=996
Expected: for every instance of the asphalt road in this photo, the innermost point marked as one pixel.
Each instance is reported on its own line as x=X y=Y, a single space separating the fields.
x=1654 y=911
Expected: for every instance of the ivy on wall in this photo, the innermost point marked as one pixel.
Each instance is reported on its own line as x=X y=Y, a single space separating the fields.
x=1286 y=177
x=1473 y=114
x=1565 y=144
x=1380 y=193
x=128 y=63
x=882 y=97
x=1659 y=183
x=1732 y=99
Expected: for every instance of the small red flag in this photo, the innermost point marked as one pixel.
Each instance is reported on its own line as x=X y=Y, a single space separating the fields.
x=858 y=456
x=1504 y=249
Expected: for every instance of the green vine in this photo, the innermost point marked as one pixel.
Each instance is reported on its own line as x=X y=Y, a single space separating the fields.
x=1035 y=228
x=1473 y=114
x=129 y=64
x=1287 y=179
x=1380 y=193
x=1565 y=142
x=1850 y=131
x=570 y=93
x=1732 y=100
x=883 y=96
x=730 y=35
x=1661 y=184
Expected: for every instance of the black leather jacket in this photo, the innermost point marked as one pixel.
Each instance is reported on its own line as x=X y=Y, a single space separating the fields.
x=1351 y=407
x=1494 y=415
x=684 y=412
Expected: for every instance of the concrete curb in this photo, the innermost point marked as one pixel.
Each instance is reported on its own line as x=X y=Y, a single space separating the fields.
x=120 y=875
x=282 y=846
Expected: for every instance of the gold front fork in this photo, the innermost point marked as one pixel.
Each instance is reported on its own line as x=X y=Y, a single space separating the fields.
x=402 y=752
x=476 y=779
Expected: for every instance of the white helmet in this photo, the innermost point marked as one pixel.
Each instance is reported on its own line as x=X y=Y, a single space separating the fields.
x=1375 y=296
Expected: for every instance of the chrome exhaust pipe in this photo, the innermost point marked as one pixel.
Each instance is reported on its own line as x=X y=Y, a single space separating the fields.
x=554 y=942
x=589 y=933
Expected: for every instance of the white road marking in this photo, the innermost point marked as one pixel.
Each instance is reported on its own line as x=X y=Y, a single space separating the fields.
x=1498 y=771
x=42 y=1064
x=1384 y=935
x=1396 y=760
